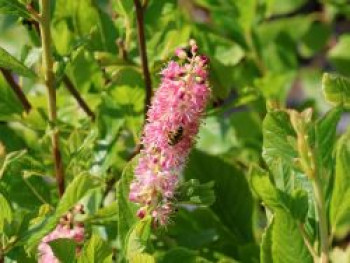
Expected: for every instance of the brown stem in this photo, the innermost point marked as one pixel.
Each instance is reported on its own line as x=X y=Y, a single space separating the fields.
x=47 y=64
x=17 y=89
x=143 y=53
x=75 y=93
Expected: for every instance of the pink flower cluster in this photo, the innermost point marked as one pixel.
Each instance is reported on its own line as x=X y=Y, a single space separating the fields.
x=67 y=228
x=172 y=124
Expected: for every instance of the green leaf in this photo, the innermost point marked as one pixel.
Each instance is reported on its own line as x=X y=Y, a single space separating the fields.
x=246 y=13
x=26 y=193
x=86 y=18
x=278 y=134
x=63 y=37
x=230 y=55
x=224 y=54
x=193 y=192
x=64 y=249
x=216 y=136
x=280 y=152
x=265 y=190
x=6 y=212
x=282 y=242
x=296 y=204
x=315 y=39
x=287 y=243
x=31 y=238
x=287 y=6
x=96 y=250
x=9 y=62
x=179 y=254
x=278 y=41
x=294 y=28
x=76 y=190
x=9 y=159
x=138 y=238
x=266 y=244
x=127 y=210
x=13 y=7
x=174 y=38
x=299 y=205
x=90 y=20
x=124 y=7
x=340 y=203
x=275 y=85
x=142 y=258
x=230 y=188
x=336 y=89
x=192 y=232
x=339 y=55
x=129 y=99
x=104 y=215
x=325 y=137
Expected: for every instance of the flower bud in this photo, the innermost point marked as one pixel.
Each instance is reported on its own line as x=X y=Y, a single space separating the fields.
x=181 y=53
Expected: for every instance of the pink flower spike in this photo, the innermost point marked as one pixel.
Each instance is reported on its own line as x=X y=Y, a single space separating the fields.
x=173 y=121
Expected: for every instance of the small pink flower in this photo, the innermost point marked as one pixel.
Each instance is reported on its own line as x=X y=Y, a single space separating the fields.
x=67 y=228
x=172 y=125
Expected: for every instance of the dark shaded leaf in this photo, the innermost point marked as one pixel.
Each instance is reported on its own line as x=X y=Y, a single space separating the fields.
x=64 y=249
x=234 y=213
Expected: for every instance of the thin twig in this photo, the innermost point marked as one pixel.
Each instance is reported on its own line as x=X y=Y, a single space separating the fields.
x=75 y=93
x=47 y=64
x=143 y=53
x=17 y=89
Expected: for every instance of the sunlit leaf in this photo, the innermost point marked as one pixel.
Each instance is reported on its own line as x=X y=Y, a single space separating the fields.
x=336 y=89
